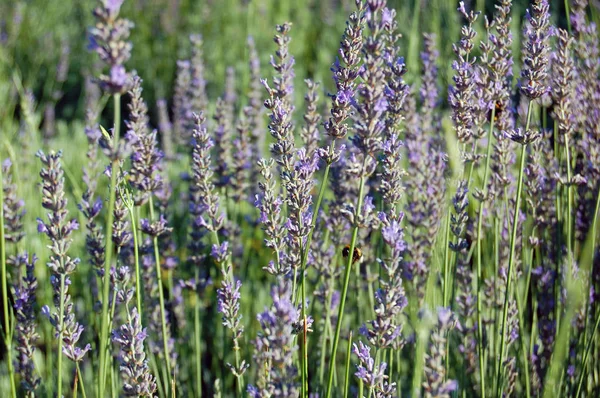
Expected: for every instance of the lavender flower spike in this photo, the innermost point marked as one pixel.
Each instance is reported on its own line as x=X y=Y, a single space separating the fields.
x=133 y=364
x=108 y=39
x=26 y=334
x=535 y=69
x=59 y=230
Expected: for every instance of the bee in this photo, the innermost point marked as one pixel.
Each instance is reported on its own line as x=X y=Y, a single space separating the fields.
x=499 y=107
x=355 y=256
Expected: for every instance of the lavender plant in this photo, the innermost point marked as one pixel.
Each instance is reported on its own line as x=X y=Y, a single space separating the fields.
x=437 y=215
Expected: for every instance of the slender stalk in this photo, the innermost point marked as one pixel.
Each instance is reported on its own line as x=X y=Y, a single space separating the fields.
x=197 y=345
x=591 y=340
x=511 y=256
x=348 y=355
x=61 y=315
x=484 y=189
x=108 y=250
x=523 y=346
x=80 y=376
x=136 y=254
x=446 y=287
x=570 y=198
x=586 y=353
x=161 y=299
x=338 y=327
x=6 y=327
x=568 y=14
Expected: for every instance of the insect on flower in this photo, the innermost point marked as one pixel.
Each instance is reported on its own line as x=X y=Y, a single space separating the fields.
x=355 y=256
x=499 y=107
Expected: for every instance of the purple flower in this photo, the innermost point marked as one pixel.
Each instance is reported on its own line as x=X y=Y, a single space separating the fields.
x=137 y=380
x=371 y=375
x=146 y=159
x=108 y=39
x=535 y=64
x=275 y=347
x=25 y=326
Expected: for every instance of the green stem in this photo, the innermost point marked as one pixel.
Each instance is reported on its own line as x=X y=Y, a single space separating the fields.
x=569 y=197
x=6 y=326
x=108 y=250
x=591 y=340
x=568 y=14
x=338 y=327
x=523 y=346
x=446 y=287
x=303 y=260
x=136 y=254
x=80 y=376
x=511 y=256
x=61 y=315
x=161 y=301
x=197 y=345
x=239 y=378
x=348 y=356
x=486 y=173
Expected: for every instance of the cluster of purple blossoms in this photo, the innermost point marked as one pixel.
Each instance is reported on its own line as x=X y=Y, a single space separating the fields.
x=390 y=300
x=371 y=106
x=372 y=375
x=211 y=218
x=133 y=364
x=269 y=204
x=108 y=39
x=535 y=69
x=59 y=230
x=146 y=158
x=130 y=337
x=465 y=297
x=26 y=334
x=182 y=107
x=228 y=304
x=280 y=101
x=345 y=72
x=461 y=96
x=435 y=384
x=310 y=131
x=14 y=208
x=275 y=347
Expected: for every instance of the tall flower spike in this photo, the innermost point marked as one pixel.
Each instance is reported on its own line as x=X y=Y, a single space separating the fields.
x=222 y=142
x=108 y=38
x=390 y=300
x=345 y=72
x=372 y=375
x=371 y=106
x=182 y=104
x=146 y=158
x=310 y=130
x=255 y=106
x=563 y=76
x=212 y=219
x=228 y=304
x=280 y=101
x=26 y=335
x=132 y=359
x=275 y=347
x=269 y=204
x=435 y=384
x=535 y=65
x=197 y=89
x=14 y=208
x=461 y=96
x=59 y=230
x=429 y=90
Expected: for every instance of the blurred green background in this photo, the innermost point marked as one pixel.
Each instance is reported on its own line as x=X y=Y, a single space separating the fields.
x=38 y=36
